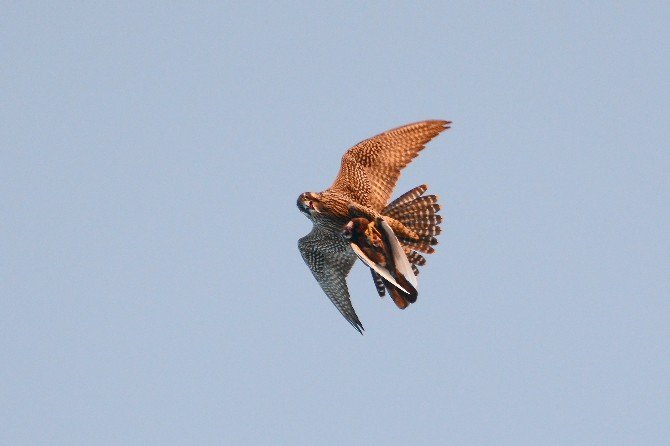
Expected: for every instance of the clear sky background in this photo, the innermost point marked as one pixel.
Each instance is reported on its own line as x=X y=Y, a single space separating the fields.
x=151 y=290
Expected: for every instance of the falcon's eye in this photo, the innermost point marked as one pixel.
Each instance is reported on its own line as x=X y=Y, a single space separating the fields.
x=301 y=205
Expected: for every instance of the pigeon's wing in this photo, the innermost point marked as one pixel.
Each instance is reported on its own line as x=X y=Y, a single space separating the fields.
x=330 y=260
x=371 y=168
x=399 y=257
x=383 y=272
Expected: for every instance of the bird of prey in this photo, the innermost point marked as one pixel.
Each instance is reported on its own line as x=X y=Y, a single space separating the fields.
x=377 y=246
x=368 y=174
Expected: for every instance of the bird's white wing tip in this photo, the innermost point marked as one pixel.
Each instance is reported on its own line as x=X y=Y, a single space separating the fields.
x=399 y=256
x=377 y=268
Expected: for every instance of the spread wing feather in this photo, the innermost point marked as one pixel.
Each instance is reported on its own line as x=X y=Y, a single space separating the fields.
x=330 y=261
x=371 y=168
x=399 y=256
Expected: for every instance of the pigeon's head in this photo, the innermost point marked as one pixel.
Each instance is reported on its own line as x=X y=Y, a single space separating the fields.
x=354 y=228
x=348 y=230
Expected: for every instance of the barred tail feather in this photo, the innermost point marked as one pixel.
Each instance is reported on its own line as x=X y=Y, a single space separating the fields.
x=415 y=258
x=405 y=198
x=431 y=220
x=420 y=214
x=379 y=283
x=420 y=246
x=425 y=230
x=426 y=205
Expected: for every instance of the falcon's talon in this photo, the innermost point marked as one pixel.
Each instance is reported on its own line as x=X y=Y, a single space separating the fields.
x=372 y=232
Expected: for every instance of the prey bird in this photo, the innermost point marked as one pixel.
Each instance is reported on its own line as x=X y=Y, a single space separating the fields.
x=377 y=246
x=368 y=174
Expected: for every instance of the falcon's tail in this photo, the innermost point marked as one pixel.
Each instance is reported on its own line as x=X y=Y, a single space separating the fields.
x=420 y=214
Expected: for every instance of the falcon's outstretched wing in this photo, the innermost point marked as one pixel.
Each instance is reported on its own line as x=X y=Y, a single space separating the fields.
x=330 y=259
x=371 y=168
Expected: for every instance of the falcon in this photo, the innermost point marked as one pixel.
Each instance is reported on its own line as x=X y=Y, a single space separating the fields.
x=368 y=174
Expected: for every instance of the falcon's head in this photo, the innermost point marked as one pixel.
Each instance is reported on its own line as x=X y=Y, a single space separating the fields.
x=309 y=203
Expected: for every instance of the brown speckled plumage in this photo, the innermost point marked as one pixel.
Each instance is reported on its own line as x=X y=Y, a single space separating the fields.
x=368 y=173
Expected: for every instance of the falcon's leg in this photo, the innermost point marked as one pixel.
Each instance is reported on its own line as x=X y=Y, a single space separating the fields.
x=357 y=210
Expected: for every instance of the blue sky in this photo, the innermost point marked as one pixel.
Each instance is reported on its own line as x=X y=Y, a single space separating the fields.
x=151 y=290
